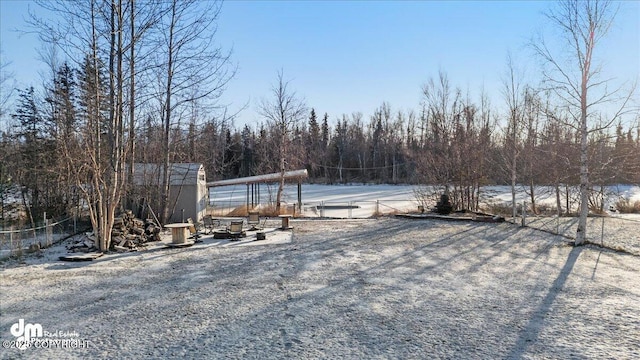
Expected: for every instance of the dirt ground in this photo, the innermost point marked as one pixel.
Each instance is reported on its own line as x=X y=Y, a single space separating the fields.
x=359 y=289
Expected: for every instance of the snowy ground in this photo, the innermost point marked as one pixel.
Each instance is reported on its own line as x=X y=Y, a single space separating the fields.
x=386 y=288
x=617 y=231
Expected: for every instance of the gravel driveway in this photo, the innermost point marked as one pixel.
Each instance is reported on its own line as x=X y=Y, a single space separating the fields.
x=359 y=289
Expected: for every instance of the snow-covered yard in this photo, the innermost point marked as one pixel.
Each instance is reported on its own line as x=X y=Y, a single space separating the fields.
x=616 y=231
x=359 y=288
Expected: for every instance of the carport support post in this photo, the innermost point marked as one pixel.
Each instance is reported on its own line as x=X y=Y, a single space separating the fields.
x=247 y=196
x=46 y=229
x=300 y=197
x=46 y=225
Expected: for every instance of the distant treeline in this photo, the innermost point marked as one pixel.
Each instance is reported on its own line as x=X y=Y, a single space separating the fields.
x=451 y=141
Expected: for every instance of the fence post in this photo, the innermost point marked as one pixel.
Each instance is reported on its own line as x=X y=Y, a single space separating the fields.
x=46 y=231
x=377 y=207
x=602 y=233
x=16 y=244
x=350 y=211
x=524 y=213
x=322 y=208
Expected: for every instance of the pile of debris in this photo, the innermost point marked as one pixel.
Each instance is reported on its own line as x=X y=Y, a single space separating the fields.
x=128 y=234
x=86 y=244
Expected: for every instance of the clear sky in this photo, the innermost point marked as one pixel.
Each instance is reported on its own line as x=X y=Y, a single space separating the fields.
x=349 y=56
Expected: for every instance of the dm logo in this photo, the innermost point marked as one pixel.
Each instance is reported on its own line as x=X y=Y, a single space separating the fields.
x=24 y=332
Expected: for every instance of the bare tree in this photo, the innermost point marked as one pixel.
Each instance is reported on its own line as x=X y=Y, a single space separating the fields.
x=7 y=86
x=439 y=102
x=513 y=133
x=143 y=16
x=582 y=25
x=191 y=68
x=88 y=34
x=284 y=111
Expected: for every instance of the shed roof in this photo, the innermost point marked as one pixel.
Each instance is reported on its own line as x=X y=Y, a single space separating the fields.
x=179 y=173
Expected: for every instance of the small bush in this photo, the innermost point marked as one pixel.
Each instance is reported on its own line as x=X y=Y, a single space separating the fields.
x=444 y=207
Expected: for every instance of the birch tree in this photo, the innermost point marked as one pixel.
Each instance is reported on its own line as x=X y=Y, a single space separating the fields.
x=283 y=112
x=574 y=78
x=90 y=34
x=513 y=133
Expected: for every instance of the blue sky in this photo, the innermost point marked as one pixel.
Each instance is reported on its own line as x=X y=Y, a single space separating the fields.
x=349 y=56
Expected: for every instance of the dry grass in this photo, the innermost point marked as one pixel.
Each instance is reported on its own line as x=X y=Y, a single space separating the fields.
x=498 y=209
x=378 y=213
x=625 y=206
x=263 y=210
x=239 y=211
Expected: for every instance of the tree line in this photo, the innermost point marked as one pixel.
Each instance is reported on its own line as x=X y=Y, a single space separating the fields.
x=452 y=140
x=140 y=83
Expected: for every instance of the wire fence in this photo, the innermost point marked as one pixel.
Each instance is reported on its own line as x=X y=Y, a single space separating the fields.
x=15 y=242
x=615 y=231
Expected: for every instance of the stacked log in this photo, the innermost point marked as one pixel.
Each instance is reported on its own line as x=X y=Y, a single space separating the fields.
x=128 y=234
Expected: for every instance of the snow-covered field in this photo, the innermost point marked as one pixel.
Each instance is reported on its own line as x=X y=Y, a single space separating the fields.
x=334 y=201
x=361 y=201
x=359 y=289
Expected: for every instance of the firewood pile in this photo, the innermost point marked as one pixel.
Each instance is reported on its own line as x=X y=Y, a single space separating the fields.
x=128 y=234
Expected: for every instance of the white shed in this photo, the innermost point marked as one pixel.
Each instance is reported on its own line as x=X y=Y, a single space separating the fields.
x=188 y=195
